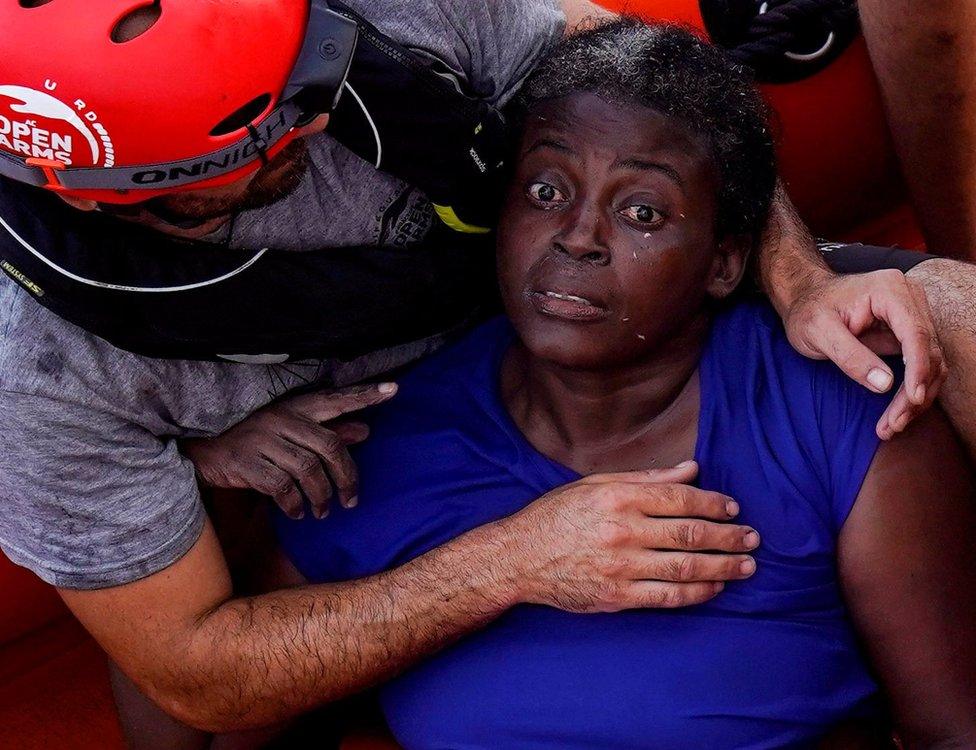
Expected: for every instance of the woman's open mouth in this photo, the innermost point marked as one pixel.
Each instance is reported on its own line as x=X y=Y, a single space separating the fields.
x=567 y=306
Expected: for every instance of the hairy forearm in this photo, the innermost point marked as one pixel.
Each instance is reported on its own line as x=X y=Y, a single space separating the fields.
x=581 y=14
x=251 y=662
x=788 y=259
x=922 y=55
x=950 y=287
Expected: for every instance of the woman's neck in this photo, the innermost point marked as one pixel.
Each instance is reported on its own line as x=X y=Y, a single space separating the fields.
x=581 y=417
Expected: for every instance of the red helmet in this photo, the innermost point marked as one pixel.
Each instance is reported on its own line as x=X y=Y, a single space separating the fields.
x=206 y=93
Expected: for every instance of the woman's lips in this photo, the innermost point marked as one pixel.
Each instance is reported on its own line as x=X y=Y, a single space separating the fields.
x=567 y=306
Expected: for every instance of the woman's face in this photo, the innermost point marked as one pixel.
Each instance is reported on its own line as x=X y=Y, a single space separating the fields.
x=606 y=245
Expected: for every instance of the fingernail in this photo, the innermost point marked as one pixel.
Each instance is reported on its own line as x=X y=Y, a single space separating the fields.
x=879 y=379
x=297 y=516
x=387 y=388
x=352 y=502
x=732 y=508
x=747 y=567
x=685 y=464
x=718 y=587
x=320 y=514
x=919 y=394
x=751 y=540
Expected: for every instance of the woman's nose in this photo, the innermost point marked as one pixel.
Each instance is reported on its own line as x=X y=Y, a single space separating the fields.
x=583 y=238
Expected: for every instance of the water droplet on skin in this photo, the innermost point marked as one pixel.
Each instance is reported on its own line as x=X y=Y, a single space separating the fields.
x=642 y=337
x=682 y=216
x=647 y=236
x=624 y=320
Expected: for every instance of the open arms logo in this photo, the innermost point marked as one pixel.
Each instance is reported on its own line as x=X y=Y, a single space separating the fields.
x=36 y=124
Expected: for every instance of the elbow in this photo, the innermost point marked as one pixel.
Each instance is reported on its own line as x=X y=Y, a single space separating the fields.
x=202 y=705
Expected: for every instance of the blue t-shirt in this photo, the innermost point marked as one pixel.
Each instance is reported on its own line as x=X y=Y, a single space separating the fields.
x=771 y=662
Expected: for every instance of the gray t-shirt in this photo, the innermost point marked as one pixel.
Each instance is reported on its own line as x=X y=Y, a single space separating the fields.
x=93 y=492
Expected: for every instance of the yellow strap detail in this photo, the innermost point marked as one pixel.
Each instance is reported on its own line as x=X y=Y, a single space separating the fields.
x=447 y=215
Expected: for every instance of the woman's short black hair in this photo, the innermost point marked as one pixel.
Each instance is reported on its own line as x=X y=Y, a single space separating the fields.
x=672 y=71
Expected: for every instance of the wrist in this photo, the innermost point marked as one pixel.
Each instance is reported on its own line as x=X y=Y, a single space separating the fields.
x=786 y=288
x=191 y=449
x=790 y=265
x=495 y=565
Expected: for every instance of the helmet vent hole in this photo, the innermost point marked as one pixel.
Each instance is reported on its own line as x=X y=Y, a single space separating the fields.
x=33 y=3
x=243 y=117
x=136 y=22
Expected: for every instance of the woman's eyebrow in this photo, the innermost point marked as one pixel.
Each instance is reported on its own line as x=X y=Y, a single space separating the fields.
x=550 y=143
x=642 y=165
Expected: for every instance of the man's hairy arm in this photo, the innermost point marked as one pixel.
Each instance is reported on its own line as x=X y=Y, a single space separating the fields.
x=950 y=287
x=222 y=664
x=851 y=320
x=906 y=558
x=927 y=74
x=580 y=14
x=602 y=544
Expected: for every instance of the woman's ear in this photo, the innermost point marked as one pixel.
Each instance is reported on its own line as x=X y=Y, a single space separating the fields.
x=729 y=266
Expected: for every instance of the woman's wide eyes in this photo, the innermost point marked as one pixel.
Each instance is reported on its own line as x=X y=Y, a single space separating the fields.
x=642 y=214
x=543 y=192
x=548 y=195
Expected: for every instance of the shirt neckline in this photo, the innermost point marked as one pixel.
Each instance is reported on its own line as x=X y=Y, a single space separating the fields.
x=540 y=459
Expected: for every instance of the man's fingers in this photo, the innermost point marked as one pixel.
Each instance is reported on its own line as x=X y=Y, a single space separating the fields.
x=277 y=484
x=350 y=433
x=688 y=567
x=324 y=407
x=681 y=501
x=857 y=361
x=306 y=468
x=683 y=473
x=345 y=475
x=911 y=327
x=937 y=359
x=659 y=595
x=331 y=449
x=695 y=535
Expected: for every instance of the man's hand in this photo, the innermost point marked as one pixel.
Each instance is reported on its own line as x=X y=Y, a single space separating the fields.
x=623 y=541
x=851 y=320
x=221 y=664
x=292 y=448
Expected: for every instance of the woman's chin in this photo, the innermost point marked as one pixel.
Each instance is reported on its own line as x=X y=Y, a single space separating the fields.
x=570 y=349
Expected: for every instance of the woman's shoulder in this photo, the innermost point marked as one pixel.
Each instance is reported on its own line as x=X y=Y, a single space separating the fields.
x=467 y=365
x=804 y=414
x=751 y=331
x=454 y=387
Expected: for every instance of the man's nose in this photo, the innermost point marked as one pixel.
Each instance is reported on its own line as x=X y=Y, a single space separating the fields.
x=583 y=237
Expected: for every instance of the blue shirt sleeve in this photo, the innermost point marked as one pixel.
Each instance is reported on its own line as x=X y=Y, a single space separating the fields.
x=848 y=414
x=832 y=417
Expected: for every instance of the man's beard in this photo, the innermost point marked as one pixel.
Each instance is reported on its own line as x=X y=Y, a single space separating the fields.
x=273 y=182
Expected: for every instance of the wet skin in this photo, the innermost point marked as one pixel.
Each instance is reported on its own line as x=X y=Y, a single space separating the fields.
x=608 y=261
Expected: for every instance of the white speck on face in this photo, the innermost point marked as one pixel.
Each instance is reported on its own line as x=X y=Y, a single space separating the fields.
x=642 y=337
x=624 y=320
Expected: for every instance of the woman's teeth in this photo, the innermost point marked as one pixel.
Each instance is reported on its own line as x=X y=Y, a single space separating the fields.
x=568 y=298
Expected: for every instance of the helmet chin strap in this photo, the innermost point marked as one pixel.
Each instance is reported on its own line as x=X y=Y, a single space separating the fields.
x=157 y=212
x=185 y=223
